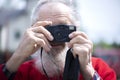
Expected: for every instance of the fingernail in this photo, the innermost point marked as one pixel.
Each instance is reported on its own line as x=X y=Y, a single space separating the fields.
x=51 y=38
x=49 y=22
x=70 y=35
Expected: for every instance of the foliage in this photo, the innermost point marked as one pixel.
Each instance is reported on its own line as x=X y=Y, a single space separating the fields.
x=106 y=45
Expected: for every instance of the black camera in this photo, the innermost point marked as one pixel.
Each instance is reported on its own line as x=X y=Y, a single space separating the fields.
x=61 y=32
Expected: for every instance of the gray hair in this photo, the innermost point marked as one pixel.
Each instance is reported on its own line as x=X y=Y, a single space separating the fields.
x=74 y=16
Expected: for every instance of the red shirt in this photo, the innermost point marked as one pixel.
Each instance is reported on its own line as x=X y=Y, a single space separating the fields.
x=27 y=71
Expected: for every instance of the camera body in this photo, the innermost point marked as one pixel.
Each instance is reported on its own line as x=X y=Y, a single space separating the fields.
x=61 y=32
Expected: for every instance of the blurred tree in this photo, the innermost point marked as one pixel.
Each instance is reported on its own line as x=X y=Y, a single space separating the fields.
x=115 y=45
x=103 y=44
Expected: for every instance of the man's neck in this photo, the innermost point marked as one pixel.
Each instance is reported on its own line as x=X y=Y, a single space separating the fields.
x=52 y=63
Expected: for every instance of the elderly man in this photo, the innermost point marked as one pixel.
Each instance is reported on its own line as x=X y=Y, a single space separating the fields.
x=50 y=64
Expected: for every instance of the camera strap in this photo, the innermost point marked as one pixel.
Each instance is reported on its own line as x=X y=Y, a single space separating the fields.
x=72 y=67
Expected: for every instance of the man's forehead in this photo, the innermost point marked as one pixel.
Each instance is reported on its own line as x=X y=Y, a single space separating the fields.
x=56 y=6
x=53 y=9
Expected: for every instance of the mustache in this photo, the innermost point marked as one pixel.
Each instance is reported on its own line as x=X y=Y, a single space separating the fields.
x=57 y=43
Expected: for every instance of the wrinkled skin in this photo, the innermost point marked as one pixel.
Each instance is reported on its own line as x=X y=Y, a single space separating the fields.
x=52 y=14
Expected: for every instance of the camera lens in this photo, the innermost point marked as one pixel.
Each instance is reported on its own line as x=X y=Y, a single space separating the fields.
x=60 y=36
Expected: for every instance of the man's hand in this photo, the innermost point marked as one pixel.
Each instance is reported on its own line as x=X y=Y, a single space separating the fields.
x=82 y=47
x=34 y=38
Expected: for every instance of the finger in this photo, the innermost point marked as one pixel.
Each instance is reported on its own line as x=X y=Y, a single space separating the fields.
x=89 y=46
x=76 y=33
x=80 y=49
x=44 y=31
x=82 y=52
x=42 y=23
x=77 y=40
x=38 y=35
x=86 y=49
x=40 y=42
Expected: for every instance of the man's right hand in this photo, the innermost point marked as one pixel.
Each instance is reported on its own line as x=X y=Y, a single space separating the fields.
x=34 y=38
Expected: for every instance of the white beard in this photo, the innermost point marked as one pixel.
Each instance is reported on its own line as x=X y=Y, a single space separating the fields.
x=53 y=63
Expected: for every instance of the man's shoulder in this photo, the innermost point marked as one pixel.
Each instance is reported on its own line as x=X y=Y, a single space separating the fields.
x=96 y=59
x=100 y=65
x=27 y=65
x=98 y=62
x=29 y=62
x=29 y=71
